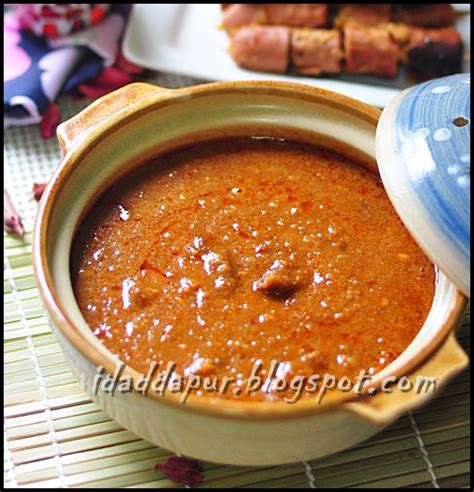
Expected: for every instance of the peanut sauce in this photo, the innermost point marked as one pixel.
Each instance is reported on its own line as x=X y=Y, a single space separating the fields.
x=229 y=252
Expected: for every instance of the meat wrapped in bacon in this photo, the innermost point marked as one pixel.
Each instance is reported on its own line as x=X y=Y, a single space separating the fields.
x=265 y=48
x=316 y=51
x=434 y=52
x=369 y=14
x=237 y=15
x=431 y=52
x=364 y=39
x=370 y=50
x=427 y=15
x=298 y=14
x=286 y=14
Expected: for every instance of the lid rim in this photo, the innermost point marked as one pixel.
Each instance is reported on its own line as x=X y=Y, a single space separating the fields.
x=418 y=160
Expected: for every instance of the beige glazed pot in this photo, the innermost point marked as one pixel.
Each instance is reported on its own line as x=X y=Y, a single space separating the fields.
x=131 y=126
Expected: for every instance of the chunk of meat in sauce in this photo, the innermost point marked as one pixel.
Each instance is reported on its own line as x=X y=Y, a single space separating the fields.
x=281 y=279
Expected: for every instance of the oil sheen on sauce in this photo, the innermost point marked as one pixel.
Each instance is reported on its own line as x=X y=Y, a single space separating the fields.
x=229 y=252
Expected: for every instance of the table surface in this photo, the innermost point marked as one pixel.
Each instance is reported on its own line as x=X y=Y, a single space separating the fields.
x=55 y=436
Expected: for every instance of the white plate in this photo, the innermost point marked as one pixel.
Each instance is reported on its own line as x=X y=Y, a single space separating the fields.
x=185 y=39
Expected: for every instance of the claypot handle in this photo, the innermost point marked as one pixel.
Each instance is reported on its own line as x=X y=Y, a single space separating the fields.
x=106 y=106
x=383 y=409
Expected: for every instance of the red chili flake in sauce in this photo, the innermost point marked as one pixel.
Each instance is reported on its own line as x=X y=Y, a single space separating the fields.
x=180 y=469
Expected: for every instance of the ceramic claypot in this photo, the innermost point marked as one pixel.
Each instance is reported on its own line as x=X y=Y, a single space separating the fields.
x=131 y=126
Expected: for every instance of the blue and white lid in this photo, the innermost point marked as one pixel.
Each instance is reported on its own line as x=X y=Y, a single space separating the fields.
x=423 y=153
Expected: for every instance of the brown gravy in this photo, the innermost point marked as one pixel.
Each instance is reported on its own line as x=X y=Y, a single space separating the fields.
x=228 y=252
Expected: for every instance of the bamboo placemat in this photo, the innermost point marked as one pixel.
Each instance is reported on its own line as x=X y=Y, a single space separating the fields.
x=55 y=436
